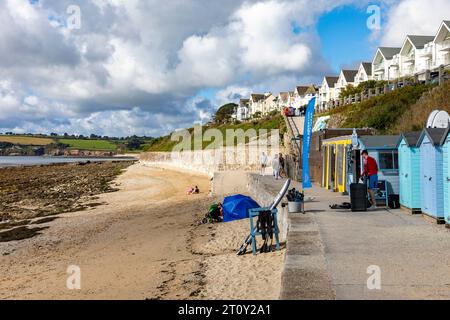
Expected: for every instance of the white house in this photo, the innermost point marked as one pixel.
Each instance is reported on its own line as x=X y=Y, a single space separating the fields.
x=256 y=103
x=326 y=92
x=346 y=77
x=312 y=92
x=283 y=100
x=299 y=96
x=364 y=73
x=269 y=103
x=385 y=59
x=243 y=110
x=441 y=54
x=416 y=55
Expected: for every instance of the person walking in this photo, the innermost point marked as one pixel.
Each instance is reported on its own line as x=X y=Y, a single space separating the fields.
x=276 y=167
x=263 y=162
x=282 y=171
x=371 y=173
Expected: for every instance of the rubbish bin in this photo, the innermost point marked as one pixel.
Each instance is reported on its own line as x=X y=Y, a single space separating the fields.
x=358 y=196
x=295 y=207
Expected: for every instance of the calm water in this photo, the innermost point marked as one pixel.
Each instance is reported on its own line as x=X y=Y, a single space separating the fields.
x=33 y=161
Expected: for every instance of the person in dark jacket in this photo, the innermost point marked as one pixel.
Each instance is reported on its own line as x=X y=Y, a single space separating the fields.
x=371 y=173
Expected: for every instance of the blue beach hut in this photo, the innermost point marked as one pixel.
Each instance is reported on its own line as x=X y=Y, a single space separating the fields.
x=384 y=150
x=446 y=155
x=432 y=173
x=409 y=171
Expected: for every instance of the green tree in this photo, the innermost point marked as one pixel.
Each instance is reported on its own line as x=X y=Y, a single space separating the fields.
x=225 y=112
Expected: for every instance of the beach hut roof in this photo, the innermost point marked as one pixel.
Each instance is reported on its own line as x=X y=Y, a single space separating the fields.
x=446 y=135
x=411 y=138
x=379 y=142
x=434 y=134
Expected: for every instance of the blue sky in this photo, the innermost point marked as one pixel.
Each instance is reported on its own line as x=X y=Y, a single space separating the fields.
x=345 y=37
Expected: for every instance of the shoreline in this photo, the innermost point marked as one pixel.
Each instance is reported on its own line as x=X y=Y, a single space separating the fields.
x=60 y=160
x=152 y=225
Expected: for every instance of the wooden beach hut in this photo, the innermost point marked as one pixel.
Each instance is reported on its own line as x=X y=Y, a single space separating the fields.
x=432 y=173
x=446 y=154
x=409 y=171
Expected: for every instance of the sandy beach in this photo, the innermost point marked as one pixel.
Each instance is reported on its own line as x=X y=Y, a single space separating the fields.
x=142 y=242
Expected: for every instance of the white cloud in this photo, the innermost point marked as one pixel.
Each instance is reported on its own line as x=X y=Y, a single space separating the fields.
x=414 y=17
x=136 y=65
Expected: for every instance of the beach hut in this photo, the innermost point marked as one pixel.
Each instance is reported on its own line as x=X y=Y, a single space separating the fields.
x=409 y=171
x=384 y=150
x=446 y=154
x=335 y=163
x=432 y=173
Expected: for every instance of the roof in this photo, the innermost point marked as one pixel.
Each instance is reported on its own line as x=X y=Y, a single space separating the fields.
x=379 y=142
x=350 y=75
x=335 y=139
x=447 y=23
x=389 y=52
x=312 y=89
x=284 y=96
x=420 y=41
x=367 y=67
x=411 y=138
x=446 y=135
x=257 y=97
x=301 y=90
x=331 y=81
x=434 y=134
x=244 y=100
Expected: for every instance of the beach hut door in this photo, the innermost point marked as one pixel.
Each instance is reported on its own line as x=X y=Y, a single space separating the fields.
x=332 y=168
x=405 y=175
x=427 y=178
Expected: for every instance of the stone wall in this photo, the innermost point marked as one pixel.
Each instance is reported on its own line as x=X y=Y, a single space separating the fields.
x=245 y=158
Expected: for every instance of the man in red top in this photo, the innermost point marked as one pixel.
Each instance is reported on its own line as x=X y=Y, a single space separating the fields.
x=371 y=172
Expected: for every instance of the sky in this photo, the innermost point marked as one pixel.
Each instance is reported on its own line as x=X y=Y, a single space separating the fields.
x=146 y=67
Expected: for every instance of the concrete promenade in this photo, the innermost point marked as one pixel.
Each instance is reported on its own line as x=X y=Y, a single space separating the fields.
x=329 y=252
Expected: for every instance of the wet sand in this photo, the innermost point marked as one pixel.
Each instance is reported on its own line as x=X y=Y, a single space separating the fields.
x=142 y=243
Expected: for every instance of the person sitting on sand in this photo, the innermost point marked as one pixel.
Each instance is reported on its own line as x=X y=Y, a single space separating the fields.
x=193 y=190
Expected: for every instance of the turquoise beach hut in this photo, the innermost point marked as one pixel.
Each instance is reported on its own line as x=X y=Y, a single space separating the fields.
x=432 y=173
x=446 y=154
x=409 y=171
x=384 y=150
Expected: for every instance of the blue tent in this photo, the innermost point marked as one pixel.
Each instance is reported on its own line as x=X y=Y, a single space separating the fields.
x=237 y=207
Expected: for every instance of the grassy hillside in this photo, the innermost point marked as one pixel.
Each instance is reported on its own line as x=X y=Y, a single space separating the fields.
x=28 y=141
x=415 y=116
x=164 y=144
x=386 y=112
x=103 y=145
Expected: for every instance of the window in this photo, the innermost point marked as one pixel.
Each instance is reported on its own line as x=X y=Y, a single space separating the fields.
x=388 y=160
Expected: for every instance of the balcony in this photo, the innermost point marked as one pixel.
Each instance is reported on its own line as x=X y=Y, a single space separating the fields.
x=411 y=58
x=378 y=67
x=444 y=46
x=427 y=52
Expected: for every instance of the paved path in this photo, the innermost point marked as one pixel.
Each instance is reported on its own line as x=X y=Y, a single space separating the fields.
x=412 y=253
x=329 y=253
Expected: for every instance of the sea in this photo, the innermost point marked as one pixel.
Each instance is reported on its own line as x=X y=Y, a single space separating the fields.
x=14 y=161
